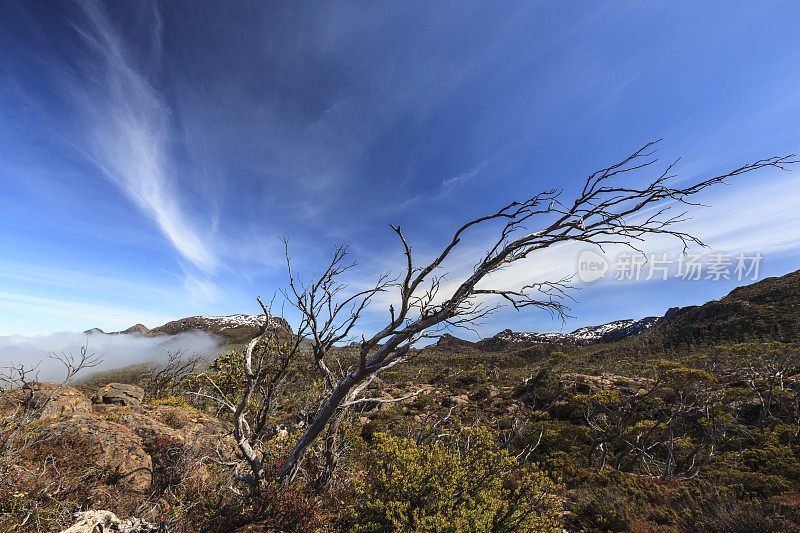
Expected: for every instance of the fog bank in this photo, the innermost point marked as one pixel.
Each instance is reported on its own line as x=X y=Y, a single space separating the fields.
x=117 y=350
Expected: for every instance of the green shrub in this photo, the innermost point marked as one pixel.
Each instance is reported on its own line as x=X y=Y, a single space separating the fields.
x=480 y=394
x=469 y=377
x=172 y=401
x=463 y=484
x=422 y=402
x=228 y=371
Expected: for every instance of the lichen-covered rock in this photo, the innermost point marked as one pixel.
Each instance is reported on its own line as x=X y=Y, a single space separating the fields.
x=199 y=431
x=138 y=420
x=121 y=436
x=456 y=400
x=113 y=447
x=102 y=521
x=50 y=400
x=119 y=394
x=160 y=428
x=589 y=384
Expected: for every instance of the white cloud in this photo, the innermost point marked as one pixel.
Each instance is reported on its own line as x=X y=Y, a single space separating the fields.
x=128 y=136
x=752 y=214
x=462 y=178
x=201 y=289
x=748 y=216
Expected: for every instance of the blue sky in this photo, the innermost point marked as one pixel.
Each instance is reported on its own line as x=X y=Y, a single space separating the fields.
x=151 y=152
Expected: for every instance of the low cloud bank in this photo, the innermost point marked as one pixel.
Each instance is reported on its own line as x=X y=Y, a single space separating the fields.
x=117 y=350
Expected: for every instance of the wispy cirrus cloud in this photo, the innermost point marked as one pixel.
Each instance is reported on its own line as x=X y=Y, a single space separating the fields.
x=128 y=134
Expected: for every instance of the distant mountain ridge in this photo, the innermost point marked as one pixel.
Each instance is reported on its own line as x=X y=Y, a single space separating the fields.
x=138 y=329
x=766 y=310
x=231 y=329
x=609 y=332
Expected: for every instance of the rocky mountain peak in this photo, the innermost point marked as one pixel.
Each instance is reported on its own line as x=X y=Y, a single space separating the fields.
x=138 y=329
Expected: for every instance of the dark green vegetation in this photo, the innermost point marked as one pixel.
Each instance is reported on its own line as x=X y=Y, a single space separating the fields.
x=693 y=425
x=765 y=310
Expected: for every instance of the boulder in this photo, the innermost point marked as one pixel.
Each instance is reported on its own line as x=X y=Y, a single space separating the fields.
x=151 y=422
x=188 y=421
x=198 y=434
x=101 y=521
x=112 y=446
x=135 y=418
x=119 y=394
x=592 y=384
x=456 y=400
x=201 y=432
x=587 y=386
x=51 y=400
x=118 y=434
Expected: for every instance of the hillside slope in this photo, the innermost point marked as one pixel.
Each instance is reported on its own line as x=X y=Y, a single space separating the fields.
x=233 y=329
x=766 y=310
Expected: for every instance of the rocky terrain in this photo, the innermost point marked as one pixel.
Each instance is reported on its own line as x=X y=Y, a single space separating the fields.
x=119 y=432
x=768 y=309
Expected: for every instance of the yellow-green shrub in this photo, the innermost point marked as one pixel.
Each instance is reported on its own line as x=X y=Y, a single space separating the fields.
x=172 y=401
x=462 y=484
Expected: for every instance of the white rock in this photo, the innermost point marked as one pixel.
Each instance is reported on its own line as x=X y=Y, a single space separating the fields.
x=93 y=521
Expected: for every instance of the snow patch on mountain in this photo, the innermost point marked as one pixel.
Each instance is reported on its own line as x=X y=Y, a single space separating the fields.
x=619 y=329
x=612 y=331
x=237 y=321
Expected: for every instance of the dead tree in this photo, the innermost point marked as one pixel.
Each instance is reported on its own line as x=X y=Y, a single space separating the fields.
x=266 y=361
x=766 y=373
x=602 y=213
x=329 y=319
x=167 y=378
